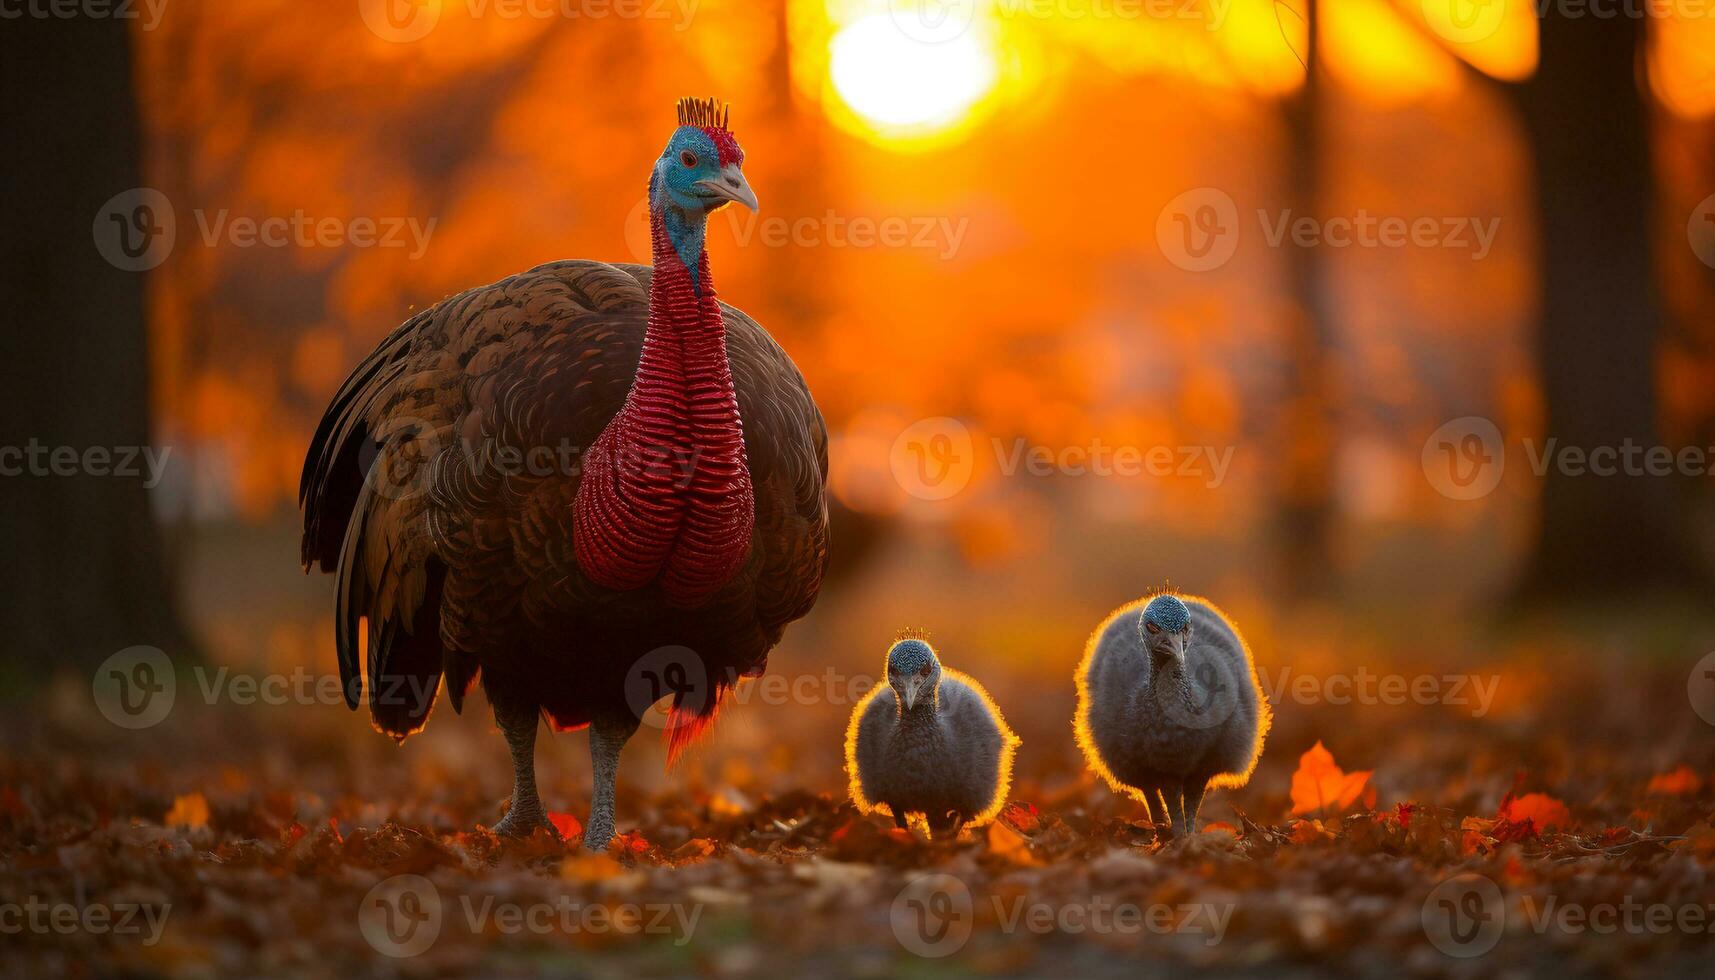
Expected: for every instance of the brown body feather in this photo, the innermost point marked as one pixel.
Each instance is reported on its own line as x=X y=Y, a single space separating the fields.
x=440 y=486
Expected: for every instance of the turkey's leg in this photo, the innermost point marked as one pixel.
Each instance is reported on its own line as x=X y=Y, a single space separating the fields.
x=518 y=724
x=1194 y=789
x=607 y=737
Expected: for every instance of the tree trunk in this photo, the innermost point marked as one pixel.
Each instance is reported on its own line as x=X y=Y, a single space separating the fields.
x=1621 y=534
x=84 y=574
x=1305 y=512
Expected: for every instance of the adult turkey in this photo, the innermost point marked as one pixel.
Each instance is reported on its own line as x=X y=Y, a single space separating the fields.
x=588 y=485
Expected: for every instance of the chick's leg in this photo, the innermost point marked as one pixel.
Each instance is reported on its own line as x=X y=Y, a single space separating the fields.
x=607 y=737
x=1176 y=808
x=1194 y=789
x=518 y=723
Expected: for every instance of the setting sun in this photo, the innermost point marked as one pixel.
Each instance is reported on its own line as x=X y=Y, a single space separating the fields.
x=907 y=87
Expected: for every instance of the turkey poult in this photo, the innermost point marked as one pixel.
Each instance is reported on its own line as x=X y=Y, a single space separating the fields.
x=1169 y=705
x=546 y=481
x=929 y=742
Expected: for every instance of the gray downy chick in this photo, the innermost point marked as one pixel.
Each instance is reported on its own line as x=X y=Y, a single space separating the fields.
x=1169 y=705
x=929 y=742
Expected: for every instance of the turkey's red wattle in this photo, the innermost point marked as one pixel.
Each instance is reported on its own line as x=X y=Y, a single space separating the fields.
x=666 y=494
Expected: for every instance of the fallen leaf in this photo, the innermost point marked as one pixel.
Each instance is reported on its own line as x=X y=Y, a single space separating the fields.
x=189 y=810
x=1319 y=786
x=1680 y=782
x=568 y=825
x=1309 y=831
x=1022 y=817
x=1524 y=817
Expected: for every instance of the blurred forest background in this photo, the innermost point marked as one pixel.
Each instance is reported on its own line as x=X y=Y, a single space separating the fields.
x=1032 y=153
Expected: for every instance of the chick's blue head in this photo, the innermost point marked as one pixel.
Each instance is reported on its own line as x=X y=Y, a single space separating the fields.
x=913 y=671
x=910 y=657
x=1167 y=613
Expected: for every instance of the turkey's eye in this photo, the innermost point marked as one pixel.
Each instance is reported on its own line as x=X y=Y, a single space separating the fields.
x=1153 y=629
x=923 y=671
x=688 y=158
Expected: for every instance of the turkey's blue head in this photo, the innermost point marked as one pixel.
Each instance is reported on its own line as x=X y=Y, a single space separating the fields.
x=1166 y=629
x=913 y=672
x=699 y=172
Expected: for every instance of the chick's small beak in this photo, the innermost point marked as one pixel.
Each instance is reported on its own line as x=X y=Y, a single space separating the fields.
x=1173 y=650
x=910 y=693
x=731 y=186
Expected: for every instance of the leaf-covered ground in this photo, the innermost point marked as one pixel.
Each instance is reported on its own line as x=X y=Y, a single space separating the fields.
x=289 y=840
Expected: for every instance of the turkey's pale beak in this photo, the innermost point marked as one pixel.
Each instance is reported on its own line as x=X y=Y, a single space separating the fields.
x=731 y=186
x=910 y=693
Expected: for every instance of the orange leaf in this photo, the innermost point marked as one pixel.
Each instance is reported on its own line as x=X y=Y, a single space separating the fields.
x=694 y=850
x=1540 y=809
x=1309 y=832
x=568 y=825
x=1320 y=786
x=1680 y=782
x=583 y=866
x=1022 y=817
x=189 y=810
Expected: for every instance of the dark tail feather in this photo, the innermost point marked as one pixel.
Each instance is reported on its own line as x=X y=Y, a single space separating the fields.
x=405 y=664
x=342 y=450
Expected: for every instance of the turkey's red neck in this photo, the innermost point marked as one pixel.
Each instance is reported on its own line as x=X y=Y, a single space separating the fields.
x=666 y=495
